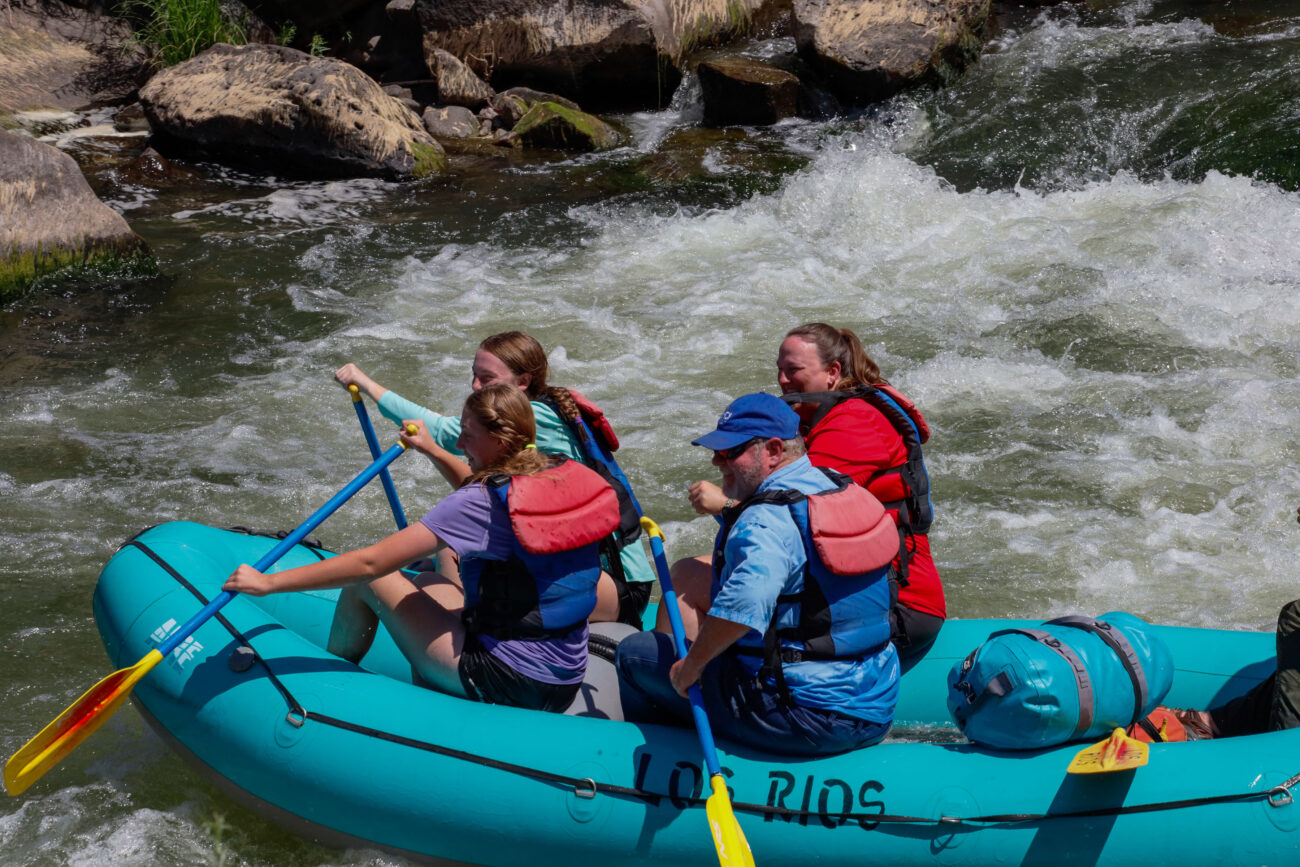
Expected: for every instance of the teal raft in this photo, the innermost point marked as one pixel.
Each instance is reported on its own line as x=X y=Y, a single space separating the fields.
x=360 y=757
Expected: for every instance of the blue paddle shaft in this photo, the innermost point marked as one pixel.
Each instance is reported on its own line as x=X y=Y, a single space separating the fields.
x=669 y=601
x=368 y=430
x=269 y=559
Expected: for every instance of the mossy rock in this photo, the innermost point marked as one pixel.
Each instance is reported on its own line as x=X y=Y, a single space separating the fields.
x=429 y=159
x=21 y=270
x=551 y=125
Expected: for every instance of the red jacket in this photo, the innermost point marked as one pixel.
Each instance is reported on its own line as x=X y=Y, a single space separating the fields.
x=856 y=439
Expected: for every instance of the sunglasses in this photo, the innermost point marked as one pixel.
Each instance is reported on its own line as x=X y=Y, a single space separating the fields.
x=736 y=451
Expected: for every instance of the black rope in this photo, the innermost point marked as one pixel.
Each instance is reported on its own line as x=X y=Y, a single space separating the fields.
x=589 y=787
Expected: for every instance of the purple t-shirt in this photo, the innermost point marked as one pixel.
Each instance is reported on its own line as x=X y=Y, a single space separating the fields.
x=474 y=523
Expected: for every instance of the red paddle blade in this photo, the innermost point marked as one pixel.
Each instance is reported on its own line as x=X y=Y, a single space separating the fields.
x=74 y=725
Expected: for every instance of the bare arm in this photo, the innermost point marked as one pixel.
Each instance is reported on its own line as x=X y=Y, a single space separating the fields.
x=350 y=374
x=716 y=635
x=363 y=564
x=453 y=469
x=707 y=498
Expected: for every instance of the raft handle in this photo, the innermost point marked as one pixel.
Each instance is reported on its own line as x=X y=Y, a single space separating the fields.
x=296 y=717
x=585 y=788
x=1280 y=796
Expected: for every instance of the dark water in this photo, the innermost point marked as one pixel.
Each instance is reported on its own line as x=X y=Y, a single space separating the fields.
x=1082 y=261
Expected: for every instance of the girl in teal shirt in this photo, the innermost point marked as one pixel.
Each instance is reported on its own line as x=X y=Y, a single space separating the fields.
x=517 y=358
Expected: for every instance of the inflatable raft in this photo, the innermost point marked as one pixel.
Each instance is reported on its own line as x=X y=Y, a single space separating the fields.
x=360 y=757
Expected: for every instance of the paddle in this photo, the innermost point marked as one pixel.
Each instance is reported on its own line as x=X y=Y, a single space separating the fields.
x=368 y=430
x=728 y=839
x=100 y=702
x=1119 y=752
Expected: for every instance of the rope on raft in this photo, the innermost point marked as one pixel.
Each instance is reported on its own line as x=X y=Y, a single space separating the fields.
x=1277 y=796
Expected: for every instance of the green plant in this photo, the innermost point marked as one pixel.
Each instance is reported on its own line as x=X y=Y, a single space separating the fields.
x=288 y=30
x=216 y=828
x=182 y=28
x=318 y=47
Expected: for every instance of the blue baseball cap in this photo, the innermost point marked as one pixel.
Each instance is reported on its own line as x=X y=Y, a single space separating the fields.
x=750 y=416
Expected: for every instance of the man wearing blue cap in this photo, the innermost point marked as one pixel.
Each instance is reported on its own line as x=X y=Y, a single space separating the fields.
x=791 y=655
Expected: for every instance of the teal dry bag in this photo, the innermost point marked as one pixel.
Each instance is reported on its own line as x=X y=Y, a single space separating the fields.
x=1073 y=678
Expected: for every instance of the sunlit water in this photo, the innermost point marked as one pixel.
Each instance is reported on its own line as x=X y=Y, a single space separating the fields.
x=1082 y=262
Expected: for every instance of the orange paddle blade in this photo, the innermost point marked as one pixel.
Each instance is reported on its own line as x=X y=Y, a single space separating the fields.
x=74 y=725
x=1119 y=752
x=728 y=839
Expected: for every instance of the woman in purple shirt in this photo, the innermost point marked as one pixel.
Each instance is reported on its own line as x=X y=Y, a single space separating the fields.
x=498 y=649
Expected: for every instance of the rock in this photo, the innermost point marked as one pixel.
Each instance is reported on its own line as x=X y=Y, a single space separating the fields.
x=268 y=106
x=457 y=83
x=510 y=105
x=869 y=51
x=50 y=220
x=549 y=124
x=253 y=28
x=599 y=51
x=402 y=12
x=452 y=121
x=152 y=169
x=131 y=119
x=53 y=55
x=311 y=16
x=738 y=90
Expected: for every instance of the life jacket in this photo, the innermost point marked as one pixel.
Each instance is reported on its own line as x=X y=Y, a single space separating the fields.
x=547 y=587
x=849 y=542
x=1161 y=726
x=915 y=511
x=596 y=438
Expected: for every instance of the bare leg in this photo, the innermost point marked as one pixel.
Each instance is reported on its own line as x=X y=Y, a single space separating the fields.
x=423 y=616
x=449 y=567
x=355 y=622
x=692 y=578
x=606 y=600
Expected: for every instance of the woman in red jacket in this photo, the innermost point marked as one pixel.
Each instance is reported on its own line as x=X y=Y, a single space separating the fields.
x=856 y=423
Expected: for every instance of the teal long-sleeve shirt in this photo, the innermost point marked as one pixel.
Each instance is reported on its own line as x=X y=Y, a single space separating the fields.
x=553 y=438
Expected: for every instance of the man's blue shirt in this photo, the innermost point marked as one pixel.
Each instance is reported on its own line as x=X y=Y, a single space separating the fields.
x=764 y=559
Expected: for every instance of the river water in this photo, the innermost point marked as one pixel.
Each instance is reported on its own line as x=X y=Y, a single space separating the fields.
x=1082 y=261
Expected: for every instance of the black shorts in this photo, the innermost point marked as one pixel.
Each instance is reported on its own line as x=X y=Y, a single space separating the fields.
x=633 y=597
x=912 y=632
x=489 y=680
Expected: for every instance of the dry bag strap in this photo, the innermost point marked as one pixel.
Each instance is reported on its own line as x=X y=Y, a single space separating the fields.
x=998 y=686
x=1123 y=649
x=1087 y=701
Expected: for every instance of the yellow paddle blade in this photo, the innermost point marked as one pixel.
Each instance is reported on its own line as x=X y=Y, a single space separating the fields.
x=74 y=725
x=728 y=839
x=1119 y=752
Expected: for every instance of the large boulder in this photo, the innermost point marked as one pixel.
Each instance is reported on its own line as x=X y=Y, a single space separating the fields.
x=868 y=50
x=272 y=107
x=51 y=221
x=602 y=53
x=58 y=56
x=738 y=90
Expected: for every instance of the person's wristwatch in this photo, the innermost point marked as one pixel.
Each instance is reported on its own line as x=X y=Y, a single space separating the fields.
x=730 y=504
